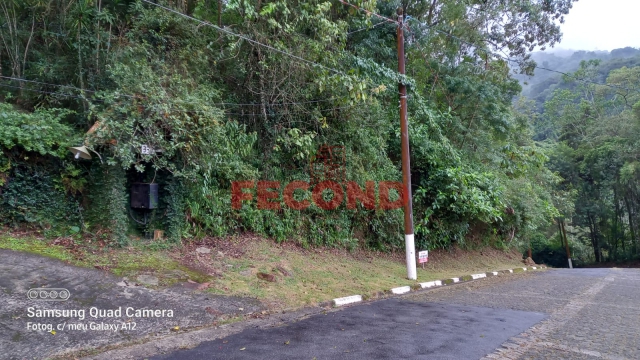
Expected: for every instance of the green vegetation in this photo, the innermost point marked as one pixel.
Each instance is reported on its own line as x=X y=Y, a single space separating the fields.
x=541 y=86
x=128 y=262
x=36 y=247
x=303 y=277
x=211 y=108
x=592 y=129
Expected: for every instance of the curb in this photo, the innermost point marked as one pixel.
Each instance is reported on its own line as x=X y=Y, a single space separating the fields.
x=436 y=283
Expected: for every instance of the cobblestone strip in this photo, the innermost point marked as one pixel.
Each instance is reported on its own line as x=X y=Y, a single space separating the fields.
x=539 y=335
x=580 y=351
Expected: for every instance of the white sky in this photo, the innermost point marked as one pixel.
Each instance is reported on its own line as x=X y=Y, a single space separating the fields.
x=601 y=25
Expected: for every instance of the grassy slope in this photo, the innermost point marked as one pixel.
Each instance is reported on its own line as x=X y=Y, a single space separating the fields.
x=316 y=275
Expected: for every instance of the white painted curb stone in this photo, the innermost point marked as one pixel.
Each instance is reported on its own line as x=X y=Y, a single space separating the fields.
x=401 y=290
x=429 y=284
x=347 y=300
x=405 y=289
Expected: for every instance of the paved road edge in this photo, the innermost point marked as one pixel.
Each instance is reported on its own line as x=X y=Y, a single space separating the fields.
x=146 y=347
x=353 y=299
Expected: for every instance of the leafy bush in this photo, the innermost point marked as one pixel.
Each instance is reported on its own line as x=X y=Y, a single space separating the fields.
x=41 y=132
x=43 y=205
x=108 y=201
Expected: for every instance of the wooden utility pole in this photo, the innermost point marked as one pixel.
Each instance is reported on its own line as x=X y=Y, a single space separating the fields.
x=410 y=248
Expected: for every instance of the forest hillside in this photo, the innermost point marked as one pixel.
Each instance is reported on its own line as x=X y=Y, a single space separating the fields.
x=194 y=96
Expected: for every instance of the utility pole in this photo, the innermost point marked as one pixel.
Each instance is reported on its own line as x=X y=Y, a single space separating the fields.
x=410 y=248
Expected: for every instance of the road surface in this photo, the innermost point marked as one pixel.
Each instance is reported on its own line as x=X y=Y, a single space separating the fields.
x=549 y=314
x=555 y=314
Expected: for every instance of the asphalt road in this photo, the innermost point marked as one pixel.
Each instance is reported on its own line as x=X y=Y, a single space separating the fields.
x=27 y=335
x=551 y=314
x=554 y=314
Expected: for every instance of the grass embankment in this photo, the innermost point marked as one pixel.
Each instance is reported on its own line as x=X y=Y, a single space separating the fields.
x=231 y=267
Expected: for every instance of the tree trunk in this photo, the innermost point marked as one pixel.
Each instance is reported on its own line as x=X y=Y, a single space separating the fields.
x=616 y=224
x=84 y=100
x=594 y=237
x=566 y=240
x=560 y=232
x=98 y=39
x=634 y=240
x=26 y=50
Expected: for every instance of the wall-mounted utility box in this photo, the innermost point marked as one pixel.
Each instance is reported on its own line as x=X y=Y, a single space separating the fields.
x=144 y=196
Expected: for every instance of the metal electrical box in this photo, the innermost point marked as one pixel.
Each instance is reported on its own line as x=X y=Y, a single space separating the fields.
x=144 y=196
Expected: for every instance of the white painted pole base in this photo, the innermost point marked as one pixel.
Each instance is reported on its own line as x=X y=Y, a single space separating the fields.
x=570 y=264
x=411 y=256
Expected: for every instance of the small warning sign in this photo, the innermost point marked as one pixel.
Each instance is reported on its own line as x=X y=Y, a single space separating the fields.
x=423 y=256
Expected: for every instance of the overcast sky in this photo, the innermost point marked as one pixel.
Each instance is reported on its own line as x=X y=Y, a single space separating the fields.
x=601 y=25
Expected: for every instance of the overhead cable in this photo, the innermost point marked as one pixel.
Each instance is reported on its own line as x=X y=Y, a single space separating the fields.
x=229 y=32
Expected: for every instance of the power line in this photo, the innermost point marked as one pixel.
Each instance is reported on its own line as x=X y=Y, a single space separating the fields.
x=224 y=113
x=59 y=85
x=43 y=92
x=386 y=19
x=293 y=112
x=368 y=28
x=513 y=60
x=247 y=39
x=281 y=104
x=239 y=36
x=131 y=96
x=479 y=48
x=276 y=113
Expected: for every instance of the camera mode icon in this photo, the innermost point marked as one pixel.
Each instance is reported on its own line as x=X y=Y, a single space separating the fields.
x=48 y=294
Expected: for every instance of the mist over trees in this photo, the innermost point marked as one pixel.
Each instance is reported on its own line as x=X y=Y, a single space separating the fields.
x=589 y=120
x=547 y=77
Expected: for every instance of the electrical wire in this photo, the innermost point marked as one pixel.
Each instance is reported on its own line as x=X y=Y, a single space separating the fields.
x=481 y=49
x=43 y=92
x=293 y=112
x=136 y=220
x=225 y=113
x=277 y=113
x=247 y=39
x=239 y=36
x=516 y=61
x=368 y=27
x=265 y=45
x=43 y=83
x=131 y=96
x=386 y=19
